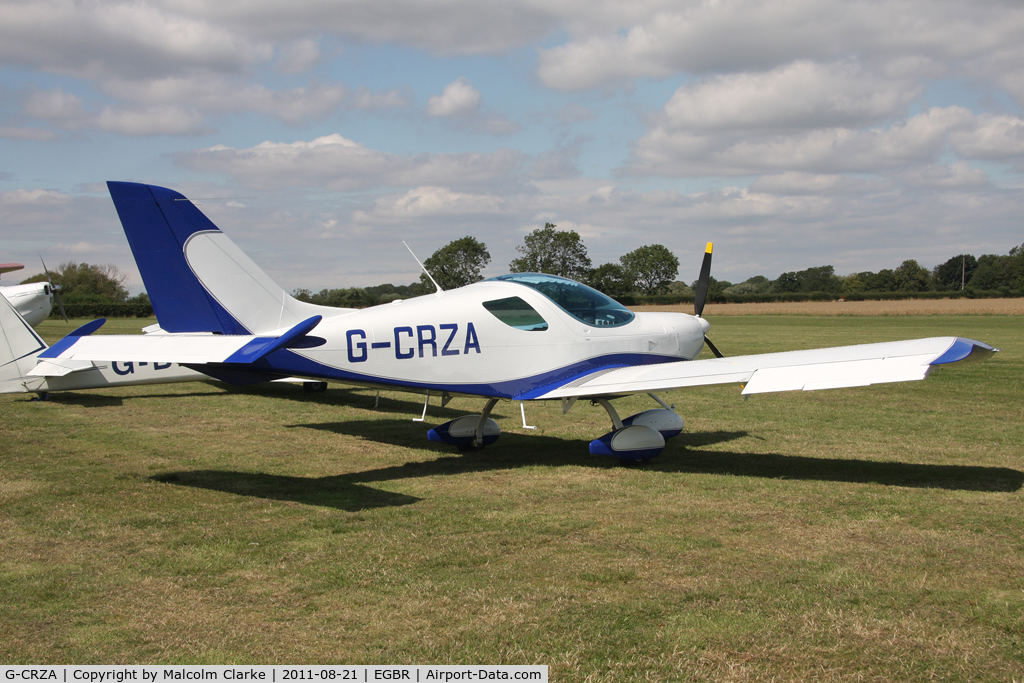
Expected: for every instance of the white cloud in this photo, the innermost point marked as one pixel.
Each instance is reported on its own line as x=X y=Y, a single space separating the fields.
x=21 y=133
x=338 y=163
x=996 y=136
x=459 y=98
x=797 y=182
x=298 y=56
x=918 y=139
x=36 y=197
x=97 y=40
x=87 y=248
x=797 y=95
x=425 y=201
x=218 y=94
x=55 y=105
x=364 y=98
x=734 y=35
x=154 y=120
x=959 y=175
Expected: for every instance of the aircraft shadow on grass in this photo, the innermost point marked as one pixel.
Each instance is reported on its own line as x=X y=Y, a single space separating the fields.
x=333 y=492
x=92 y=399
x=350 y=491
x=683 y=455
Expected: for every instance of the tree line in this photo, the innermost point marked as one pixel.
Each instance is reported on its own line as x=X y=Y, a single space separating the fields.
x=651 y=270
x=91 y=290
x=993 y=273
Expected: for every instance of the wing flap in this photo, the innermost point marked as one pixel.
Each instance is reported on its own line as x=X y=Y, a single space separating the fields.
x=838 y=375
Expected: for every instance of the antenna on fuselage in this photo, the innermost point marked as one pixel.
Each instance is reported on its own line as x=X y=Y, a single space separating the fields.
x=439 y=290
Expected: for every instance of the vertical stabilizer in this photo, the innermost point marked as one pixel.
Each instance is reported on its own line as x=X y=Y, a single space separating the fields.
x=197 y=279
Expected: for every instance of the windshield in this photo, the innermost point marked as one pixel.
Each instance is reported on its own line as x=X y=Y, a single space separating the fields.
x=581 y=302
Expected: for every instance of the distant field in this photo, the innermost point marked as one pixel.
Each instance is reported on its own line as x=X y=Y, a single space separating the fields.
x=908 y=307
x=870 y=534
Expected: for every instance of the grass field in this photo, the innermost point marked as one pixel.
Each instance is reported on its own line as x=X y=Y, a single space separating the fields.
x=871 y=534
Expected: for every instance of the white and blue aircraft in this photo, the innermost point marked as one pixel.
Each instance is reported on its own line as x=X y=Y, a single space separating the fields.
x=21 y=370
x=525 y=336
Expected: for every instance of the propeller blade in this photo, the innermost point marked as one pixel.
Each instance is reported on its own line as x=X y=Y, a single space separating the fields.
x=60 y=305
x=55 y=289
x=701 y=294
x=714 y=349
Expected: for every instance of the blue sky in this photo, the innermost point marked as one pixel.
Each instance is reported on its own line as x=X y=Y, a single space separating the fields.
x=791 y=133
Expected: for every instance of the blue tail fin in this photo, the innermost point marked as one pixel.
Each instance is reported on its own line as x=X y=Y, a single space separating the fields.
x=197 y=278
x=158 y=222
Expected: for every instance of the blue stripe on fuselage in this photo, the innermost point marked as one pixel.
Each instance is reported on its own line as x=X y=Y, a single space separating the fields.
x=288 y=363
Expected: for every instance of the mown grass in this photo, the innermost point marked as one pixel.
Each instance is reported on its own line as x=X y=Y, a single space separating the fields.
x=862 y=534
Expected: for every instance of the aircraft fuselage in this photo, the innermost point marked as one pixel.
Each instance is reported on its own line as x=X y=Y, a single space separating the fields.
x=453 y=335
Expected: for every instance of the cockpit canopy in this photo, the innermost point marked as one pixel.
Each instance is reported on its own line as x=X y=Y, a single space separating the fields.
x=581 y=302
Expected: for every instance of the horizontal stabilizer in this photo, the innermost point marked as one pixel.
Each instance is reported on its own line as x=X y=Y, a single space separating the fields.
x=262 y=346
x=83 y=331
x=184 y=349
x=59 y=368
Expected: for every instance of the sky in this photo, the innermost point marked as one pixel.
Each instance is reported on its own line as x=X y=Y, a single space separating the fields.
x=320 y=134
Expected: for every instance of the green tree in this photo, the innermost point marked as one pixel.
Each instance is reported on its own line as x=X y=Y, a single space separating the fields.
x=456 y=264
x=716 y=289
x=954 y=273
x=786 y=283
x=817 y=279
x=820 y=279
x=882 y=281
x=1017 y=267
x=853 y=284
x=652 y=268
x=911 y=277
x=557 y=252
x=610 y=278
x=754 y=285
x=86 y=283
x=993 y=272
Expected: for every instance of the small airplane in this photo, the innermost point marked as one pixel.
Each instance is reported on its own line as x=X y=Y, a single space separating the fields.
x=33 y=301
x=21 y=371
x=523 y=336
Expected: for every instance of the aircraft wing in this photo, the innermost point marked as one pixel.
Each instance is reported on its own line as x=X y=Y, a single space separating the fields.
x=833 y=368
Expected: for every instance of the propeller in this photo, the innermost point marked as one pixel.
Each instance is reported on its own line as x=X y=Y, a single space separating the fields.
x=56 y=291
x=701 y=295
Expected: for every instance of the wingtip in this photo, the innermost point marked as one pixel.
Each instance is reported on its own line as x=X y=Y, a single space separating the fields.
x=965 y=350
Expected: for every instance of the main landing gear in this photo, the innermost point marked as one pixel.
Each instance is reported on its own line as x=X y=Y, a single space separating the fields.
x=635 y=439
x=638 y=438
x=469 y=432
